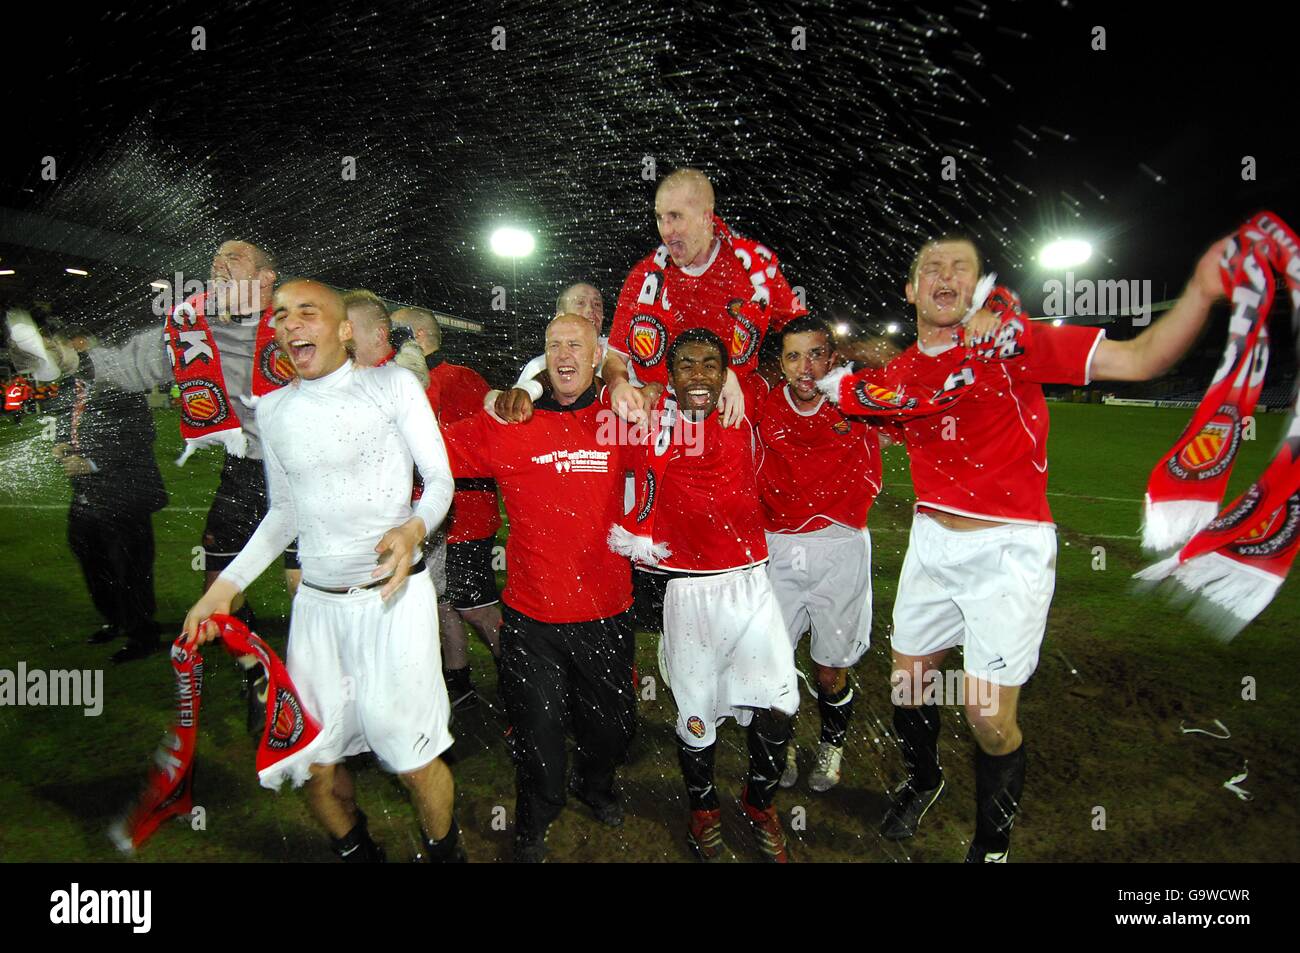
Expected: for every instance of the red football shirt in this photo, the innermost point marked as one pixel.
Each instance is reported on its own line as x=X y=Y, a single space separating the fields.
x=456 y=393
x=707 y=511
x=739 y=295
x=562 y=483
x=985 y=456
x=816 y=468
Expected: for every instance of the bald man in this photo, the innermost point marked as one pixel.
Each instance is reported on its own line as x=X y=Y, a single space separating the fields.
x=567 y=645
x=581 y=299
x=468 y=595
x=585 y=301
x=700 y=276
x=340 y=443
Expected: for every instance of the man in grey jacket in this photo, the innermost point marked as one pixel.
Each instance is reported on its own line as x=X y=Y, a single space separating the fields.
x=143 y=363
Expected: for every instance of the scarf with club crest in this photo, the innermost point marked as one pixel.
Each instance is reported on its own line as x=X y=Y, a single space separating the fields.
x=1233 y=563
x=169 y=790
x=207 y=414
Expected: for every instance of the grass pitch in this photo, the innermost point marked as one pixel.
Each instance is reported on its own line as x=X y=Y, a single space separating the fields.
x=1111 y=775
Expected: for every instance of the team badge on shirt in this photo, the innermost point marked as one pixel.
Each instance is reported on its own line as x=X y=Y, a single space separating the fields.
x=647 y=340
x=695 y=725
x=203 y=403
x=744 y=334
x=872 y=395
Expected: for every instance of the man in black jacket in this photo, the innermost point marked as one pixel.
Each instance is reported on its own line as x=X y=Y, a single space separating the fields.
x=106 y=450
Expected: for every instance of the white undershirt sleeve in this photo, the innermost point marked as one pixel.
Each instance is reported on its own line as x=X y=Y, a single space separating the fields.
x=527 y=377
x=419 y=428
x=279 y=527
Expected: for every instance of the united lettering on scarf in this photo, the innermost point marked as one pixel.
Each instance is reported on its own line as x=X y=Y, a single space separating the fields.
x=1235 y=562
x=208 y=415
x=169 y=790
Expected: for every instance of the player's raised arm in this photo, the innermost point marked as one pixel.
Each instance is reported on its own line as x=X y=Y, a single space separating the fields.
x=785 y=304
x=138 y=365
x=1162 y=345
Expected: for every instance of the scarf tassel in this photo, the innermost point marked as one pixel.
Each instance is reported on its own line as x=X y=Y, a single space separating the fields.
x=641 y=549
x=1170 y=523
x=1224 y=594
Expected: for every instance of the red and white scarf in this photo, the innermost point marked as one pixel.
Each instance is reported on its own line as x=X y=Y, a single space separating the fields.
x=871 y=392
x=1235 y=562
x=207 y=414
x=669 y=432
x=169 y=790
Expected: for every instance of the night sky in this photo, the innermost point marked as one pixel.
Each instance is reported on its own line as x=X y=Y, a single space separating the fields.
x=830 y=154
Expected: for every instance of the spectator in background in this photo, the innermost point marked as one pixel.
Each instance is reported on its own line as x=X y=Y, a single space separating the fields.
x=106 y=449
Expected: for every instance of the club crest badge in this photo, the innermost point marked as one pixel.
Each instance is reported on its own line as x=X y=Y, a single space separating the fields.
x=203 y=404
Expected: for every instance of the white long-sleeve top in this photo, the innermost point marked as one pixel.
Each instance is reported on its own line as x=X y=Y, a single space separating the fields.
x=338 y=454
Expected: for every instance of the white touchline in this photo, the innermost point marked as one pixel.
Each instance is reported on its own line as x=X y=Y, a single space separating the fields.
x=1108 y=499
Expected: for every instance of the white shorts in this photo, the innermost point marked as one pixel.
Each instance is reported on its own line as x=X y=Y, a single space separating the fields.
x=371 y=673
x=822 y=581
x=724 y=652
x=986 y=589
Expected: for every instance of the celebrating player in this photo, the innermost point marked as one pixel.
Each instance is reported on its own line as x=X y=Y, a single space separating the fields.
x=819 y=474
x=456 y=393
x=724 y=651
x=981 y=558
x=363 y=639
x=219 y=374
x=701 y=276
x=372 y=336
x=567 y=645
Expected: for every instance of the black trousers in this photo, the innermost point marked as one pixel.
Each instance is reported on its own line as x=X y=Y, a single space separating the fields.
x=116 y=552
x=551 y=675
x=648 y=591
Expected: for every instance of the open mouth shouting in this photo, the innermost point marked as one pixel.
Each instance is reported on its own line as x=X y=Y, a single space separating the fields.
x=301 y=352
x=805 y=386
x=697 y=398
x=946 y=298
x=567 y=372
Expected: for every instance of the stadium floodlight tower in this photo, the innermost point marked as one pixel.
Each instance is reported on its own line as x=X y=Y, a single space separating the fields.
x=1064 y=253
x=512 y=243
